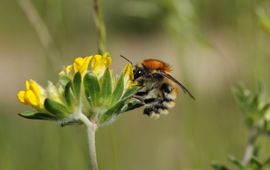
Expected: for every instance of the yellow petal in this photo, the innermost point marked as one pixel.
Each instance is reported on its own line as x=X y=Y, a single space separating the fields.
x=128 y=72
x=81 y=64
x=100 y=64
x=77 y=64
x=31 y=98
x=34 y=95
x=68 y=69
x=20 y=96
x=108 y=59
x=35 y=88
x=128 y=76
x=27 y=85
x=86 y=63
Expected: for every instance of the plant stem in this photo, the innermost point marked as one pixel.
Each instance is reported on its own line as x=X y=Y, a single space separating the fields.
x=42 y=31
x=249 y=151
x=100 y=26
x=91 y=130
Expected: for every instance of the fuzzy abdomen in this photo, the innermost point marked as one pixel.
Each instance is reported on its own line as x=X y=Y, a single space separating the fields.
x=159 y=100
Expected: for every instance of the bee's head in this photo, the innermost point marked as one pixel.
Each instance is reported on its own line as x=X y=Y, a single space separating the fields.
x=139 y=71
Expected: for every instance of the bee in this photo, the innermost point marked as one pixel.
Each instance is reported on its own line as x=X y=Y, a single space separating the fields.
x=159 y=89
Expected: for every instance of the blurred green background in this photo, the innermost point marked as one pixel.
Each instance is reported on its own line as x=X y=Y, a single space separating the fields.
x=211 y=45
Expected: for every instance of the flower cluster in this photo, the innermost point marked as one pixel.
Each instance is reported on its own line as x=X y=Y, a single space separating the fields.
x=86 y=87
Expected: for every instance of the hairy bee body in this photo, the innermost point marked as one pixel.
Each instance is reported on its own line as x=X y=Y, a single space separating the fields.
x=158 y=93
x=158 y=88
x=158 y=96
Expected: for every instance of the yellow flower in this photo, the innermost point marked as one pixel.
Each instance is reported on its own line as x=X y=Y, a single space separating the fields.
x=100 y=64
x=32 y=95
x=80 y=64
x=128 y=76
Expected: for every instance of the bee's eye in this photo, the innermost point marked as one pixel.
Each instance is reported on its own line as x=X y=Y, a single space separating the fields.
x=138 y=73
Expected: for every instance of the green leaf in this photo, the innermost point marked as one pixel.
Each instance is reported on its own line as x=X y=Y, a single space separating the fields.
x=106 y=85
x=218 y=166
x=77 y=84
x=130 y=92
x=118 y=91
x=255 y=163
x=254 y=103
x=264 y=109
x=236 y=162
x=69 y=96
x=37 y=115
x=92 y=88
x=58 y=109
x=266 y=162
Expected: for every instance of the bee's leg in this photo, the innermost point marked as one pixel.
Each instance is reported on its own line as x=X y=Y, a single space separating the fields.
x=142 y=93
x=139 y=98
x=147 y=100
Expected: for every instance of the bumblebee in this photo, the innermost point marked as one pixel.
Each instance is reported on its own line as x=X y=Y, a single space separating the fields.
x=158 y=88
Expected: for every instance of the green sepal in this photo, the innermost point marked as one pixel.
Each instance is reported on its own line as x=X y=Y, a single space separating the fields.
x=106 y=85
x=58 y=109
x=114 y=110
x=37 y=115
x=130 y=92
x=77 y=84
x=63 y=79
x=69 y=96
x=92 y=88
x=119 y=89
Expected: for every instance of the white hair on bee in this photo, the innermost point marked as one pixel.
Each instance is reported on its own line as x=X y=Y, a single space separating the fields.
x=154 y=116
x=163 y=111
x=170 y=104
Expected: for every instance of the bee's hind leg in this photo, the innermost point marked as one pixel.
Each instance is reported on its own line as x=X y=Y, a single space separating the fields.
x=139 y=98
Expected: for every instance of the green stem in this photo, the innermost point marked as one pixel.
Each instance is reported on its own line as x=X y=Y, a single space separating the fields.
x=91 y=131
x=249 y=151
x=100 y=27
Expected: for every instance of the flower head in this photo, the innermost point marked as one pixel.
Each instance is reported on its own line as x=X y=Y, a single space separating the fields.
x=97 y=94
x=100 y=63
x=33 y=95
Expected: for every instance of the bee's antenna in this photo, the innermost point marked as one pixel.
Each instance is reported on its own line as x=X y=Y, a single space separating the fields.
x=126 y=59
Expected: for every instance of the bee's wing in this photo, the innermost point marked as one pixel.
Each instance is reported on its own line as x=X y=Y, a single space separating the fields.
x=186 y=91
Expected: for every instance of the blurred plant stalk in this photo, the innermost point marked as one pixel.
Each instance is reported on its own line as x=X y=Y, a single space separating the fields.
x=249 y=151
x=100 y=26
x=42 y=31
